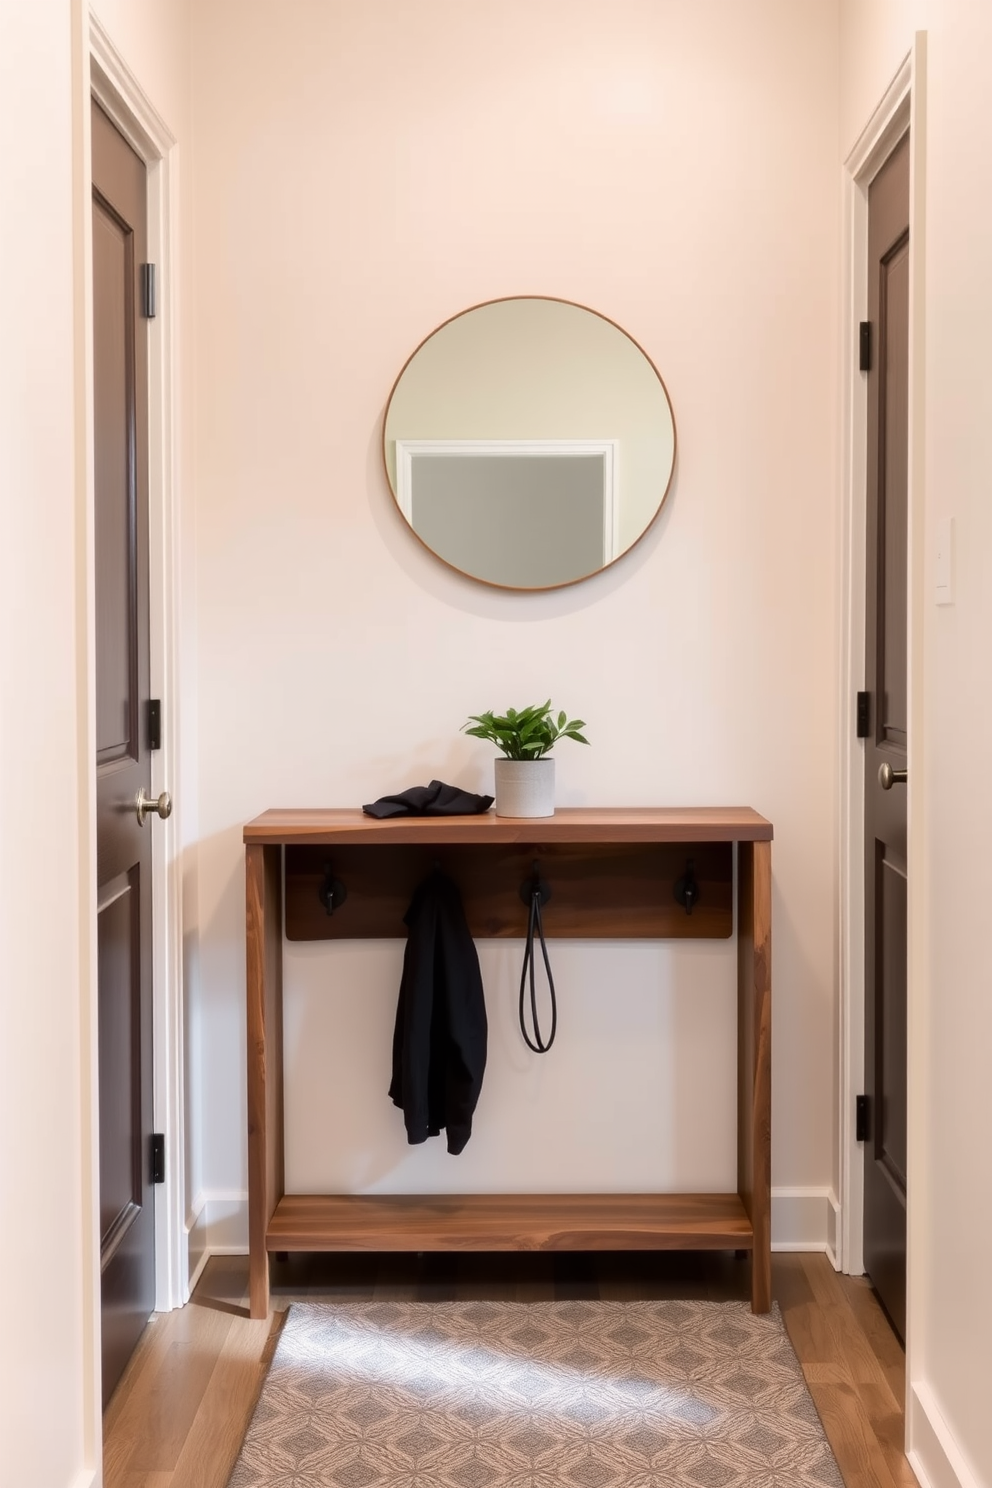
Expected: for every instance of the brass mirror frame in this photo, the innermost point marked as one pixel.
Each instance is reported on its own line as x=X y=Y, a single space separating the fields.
x=581 y=578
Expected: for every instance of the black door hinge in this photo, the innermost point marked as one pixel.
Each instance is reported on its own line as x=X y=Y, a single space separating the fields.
x=158 y=1157
x=148 y=291
x=861 y=1118
x=864 y=346
x=154 y=723
x=864 y=714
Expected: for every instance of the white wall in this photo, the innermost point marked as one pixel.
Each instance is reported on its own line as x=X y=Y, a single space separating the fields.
x=951 y=794
x=363 y=172
x=49 y=1420
x=49 y=1384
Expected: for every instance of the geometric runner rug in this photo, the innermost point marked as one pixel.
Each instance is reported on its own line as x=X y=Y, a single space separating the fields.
x=579 y=1394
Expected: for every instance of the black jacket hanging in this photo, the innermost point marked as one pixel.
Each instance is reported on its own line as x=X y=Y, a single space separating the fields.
x=440 y=1039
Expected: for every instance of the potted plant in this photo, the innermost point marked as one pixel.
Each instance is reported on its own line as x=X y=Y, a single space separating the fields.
x=525 y=776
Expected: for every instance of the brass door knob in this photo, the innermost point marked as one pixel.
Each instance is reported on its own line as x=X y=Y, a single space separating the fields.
x=144 y=804
x=887 y=777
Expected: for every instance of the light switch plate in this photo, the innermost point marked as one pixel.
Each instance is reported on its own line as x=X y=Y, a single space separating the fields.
x=944 y=562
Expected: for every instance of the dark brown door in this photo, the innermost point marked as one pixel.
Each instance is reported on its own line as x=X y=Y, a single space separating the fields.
x=127 y=1229
x=886 y=682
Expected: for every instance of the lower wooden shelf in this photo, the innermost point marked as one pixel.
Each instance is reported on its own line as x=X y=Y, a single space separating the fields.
x=317 y=1222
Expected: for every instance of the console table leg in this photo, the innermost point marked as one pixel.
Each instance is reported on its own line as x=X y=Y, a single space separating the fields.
x=754 y=1028
x=263 y=890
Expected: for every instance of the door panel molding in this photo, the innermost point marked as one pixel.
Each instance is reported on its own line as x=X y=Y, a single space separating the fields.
x=901 y=109
x=120 y=1039
x=121 y=96
x=888 y=1133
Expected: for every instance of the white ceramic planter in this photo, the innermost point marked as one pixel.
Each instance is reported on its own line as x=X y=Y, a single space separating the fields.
x=525 y=787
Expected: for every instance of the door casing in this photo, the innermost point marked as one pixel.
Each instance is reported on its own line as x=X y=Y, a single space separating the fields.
x=902 y=108
x=120 y=95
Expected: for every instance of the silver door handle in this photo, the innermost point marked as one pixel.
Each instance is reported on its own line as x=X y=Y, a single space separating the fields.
x=887 y=777
x=144 y=804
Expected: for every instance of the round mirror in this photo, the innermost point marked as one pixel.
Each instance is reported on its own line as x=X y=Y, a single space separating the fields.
x=529 y=443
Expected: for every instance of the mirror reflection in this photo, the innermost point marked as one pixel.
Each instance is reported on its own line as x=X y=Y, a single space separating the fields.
x=529 y=442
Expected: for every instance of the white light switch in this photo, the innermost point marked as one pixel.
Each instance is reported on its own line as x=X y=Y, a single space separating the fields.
x=944 y=562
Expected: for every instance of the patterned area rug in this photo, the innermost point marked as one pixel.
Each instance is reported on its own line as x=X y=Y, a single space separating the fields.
x=534 y=1395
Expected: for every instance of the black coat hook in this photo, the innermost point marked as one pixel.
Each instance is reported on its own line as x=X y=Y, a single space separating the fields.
x=332 y=892
x=686 y=888
x=535 y=883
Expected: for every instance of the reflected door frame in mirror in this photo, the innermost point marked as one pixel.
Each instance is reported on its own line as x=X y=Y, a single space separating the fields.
x=603 y=451
x=529 y=442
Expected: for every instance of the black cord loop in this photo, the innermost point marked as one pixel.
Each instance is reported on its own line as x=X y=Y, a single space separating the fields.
x=535 y=923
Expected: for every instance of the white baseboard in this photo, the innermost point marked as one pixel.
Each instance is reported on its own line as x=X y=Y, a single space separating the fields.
x=834 y=1231
x=202 y=1257
x=87 y=1477
x=227 y=1222
x=197 y=1241
x=216 y=1224
x=802 y=1219
x=806 y=1219
x=933 y=1454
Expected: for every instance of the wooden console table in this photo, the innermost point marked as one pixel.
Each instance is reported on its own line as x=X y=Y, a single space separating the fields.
x=612 y=874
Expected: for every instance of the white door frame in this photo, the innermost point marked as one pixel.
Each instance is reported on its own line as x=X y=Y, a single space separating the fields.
x=901 y=108
x=121 y=96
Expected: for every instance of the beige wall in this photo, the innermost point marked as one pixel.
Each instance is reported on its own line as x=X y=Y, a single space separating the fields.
x=153 y=37
x=363 y=172
x=951 y=794
x=339 y=216
x=875 y=37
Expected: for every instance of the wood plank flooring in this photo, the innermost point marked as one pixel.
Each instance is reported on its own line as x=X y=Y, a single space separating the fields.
x=178 y=1416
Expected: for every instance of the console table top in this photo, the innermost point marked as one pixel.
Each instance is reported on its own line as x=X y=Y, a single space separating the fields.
x=569 y=824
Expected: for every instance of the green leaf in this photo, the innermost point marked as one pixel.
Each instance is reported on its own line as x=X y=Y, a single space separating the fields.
x=525 y=733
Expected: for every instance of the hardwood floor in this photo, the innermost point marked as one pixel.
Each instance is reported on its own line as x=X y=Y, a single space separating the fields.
x=184 y=1402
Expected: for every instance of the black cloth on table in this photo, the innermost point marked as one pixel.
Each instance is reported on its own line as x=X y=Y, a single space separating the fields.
x=436 y=799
